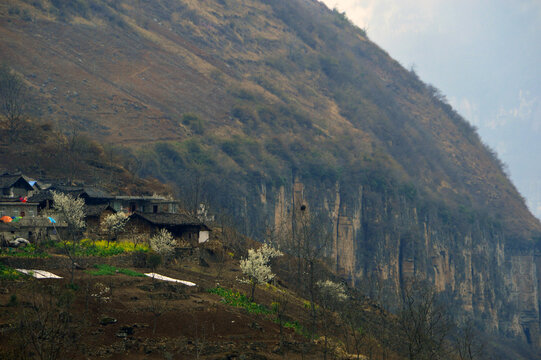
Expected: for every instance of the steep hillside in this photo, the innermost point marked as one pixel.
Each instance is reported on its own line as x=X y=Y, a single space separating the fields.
x=262 y=107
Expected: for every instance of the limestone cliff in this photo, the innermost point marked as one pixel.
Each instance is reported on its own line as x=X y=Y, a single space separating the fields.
x=380 y=241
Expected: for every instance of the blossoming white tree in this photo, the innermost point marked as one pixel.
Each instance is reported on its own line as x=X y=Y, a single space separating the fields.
x=331 y=292
x=72 y=212
x=114 y=224
x=163 y=243
x=256 y=266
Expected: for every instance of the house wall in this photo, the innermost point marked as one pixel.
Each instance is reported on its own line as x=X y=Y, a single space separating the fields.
x=93 y=223
x=186 y=233
x=31 y=233
x=137 y=226
x=16 y=190
x=159 y=207
x=204 y=236
x=16 y=208
x=143 y=205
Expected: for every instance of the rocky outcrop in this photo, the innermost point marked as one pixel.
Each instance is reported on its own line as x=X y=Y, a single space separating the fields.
x=381 y=240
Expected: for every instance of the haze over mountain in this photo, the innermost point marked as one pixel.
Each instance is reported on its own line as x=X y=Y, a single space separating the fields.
x=264 y=109
x=483 y=57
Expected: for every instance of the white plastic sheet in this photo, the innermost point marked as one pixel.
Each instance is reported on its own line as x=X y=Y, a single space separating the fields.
x=166 y=278
x=39 y=274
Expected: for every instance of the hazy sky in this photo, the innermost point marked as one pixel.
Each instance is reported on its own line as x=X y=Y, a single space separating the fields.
x=485 y=56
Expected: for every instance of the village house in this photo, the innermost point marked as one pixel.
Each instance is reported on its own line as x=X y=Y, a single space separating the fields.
x=15 y=186
x=24 y=199
x=17 y=208
x=94 y=216
x=34 y=229
x=91 y=195
x=183 y=227
x=144 y=204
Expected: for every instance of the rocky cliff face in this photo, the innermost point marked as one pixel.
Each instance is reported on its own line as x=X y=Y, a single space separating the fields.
x=380 y=241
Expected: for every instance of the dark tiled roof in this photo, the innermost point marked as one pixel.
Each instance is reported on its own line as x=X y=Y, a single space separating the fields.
x=146 y=198
x=73 y=191
x=165 y=219
x=41 y=196
x=96 y=210
x=77 y=191
x=7 y=181
x=6 y=201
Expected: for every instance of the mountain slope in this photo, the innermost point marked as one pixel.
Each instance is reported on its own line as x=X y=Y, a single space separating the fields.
x=252 y=70
x=260 y=107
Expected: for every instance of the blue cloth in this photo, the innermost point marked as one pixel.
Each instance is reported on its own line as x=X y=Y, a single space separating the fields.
x=52 y=220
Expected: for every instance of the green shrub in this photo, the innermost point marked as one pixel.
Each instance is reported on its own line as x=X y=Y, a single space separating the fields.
x=237 y=299
x=76 y=7
x=197 y=154
x=140 y=259
x=232 y=148
x=26 y=15
x=8 y=273
x=13 y=301
x=194 y=122
x=153 y=260
x=244 y=114
x=29 y=251
x=87 y=247
x=14 y=10
x=105 y=269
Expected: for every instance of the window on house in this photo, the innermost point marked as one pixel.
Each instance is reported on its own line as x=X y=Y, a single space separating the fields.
x=155 y=209
x=133 y=207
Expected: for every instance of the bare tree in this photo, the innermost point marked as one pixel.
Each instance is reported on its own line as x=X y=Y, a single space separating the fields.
x=44 y=324
x=466 y=342
x=12 y=100
x=311 y=235
x=200 y=340
x=330 y=295
x=424 y=322
x=351 y=316
x=306 y=239
x=279 y=306
x=158 y=304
